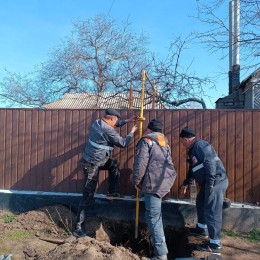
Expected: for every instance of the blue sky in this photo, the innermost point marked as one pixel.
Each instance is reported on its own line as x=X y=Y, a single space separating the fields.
x=29 y=29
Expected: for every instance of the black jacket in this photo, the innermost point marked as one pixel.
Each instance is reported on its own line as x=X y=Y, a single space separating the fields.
x=204 y=165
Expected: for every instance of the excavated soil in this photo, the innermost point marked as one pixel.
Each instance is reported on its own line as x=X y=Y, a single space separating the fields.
x=46 y=234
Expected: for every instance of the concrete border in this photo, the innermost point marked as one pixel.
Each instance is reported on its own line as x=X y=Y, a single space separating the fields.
x=176 y=213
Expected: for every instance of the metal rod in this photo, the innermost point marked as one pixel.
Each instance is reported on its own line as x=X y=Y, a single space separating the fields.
x=154 y=90
x=141 y=115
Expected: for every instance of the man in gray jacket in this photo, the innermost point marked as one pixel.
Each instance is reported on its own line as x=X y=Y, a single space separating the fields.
x=154 y=175
x=97 y=156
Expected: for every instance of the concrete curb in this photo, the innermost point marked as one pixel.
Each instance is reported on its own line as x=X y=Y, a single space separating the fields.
x=176 y=213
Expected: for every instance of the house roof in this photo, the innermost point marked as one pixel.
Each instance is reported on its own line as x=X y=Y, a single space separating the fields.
x=254 y=75
x=102 y=100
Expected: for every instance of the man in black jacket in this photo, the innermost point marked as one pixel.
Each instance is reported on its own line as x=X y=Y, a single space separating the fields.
x=209 y=173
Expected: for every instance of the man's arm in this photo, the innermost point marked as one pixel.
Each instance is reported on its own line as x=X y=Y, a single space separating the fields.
x=189 y=177
x=117 y=140
x=187 y=181
x=122 y=122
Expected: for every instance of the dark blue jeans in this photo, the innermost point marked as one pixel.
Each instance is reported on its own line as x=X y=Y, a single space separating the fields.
x=153 y=217
x=209 y=204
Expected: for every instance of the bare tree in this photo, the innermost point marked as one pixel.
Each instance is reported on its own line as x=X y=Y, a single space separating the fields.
x=101 y=56
x=22 y=90
x=178 y=85
x=216 y=37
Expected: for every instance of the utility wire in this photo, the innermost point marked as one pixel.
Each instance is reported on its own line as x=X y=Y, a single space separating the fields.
x=111 y=7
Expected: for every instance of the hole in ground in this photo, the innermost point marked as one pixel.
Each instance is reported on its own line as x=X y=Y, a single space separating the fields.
x=122 y=234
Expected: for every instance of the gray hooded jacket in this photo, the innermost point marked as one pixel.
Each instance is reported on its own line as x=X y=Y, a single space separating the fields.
x=153 y=168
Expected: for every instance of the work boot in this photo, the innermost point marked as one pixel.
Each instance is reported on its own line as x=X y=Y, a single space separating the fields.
x=210 y=247
x=159 y=257
x=198 y=232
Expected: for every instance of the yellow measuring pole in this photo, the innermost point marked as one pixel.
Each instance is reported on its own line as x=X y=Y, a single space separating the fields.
x=141 y=119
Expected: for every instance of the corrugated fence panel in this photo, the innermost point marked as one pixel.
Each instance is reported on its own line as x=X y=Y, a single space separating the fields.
x=54 y=150
x=181 y=170
x=231 y=154
x=75 y=152
x=172 y=135
x=222 y=137
x=239 y=151
x=21 y=148
x=247 y=156
x=214 y=133
x=61 y=135
x=8 y=148
x=2 y=148
x=41 y=149
x=256 y=157
x=35 y=177
x=46 y=161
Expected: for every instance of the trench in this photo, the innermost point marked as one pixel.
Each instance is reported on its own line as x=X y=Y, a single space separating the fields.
x=122 y=234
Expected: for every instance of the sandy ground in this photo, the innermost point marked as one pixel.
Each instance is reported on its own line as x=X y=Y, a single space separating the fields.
x=46 y=234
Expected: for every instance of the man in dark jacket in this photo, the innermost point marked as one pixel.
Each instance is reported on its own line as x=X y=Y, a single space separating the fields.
x=209 y=173
x=97 y=156
x=154 y=175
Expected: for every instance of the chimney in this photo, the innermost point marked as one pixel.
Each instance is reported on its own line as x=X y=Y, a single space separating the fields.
x=234 y=45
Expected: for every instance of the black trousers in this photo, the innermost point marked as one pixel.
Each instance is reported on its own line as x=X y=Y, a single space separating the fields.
x=91 y=174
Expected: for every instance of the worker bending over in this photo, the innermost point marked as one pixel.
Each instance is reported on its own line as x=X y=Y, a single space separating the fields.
x=209 y=173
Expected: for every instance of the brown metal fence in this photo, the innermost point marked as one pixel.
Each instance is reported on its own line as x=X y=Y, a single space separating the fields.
x=41 y=149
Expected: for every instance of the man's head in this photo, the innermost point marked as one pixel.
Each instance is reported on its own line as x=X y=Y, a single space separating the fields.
x=187 y=136
x=155 y=125
x=112 y=115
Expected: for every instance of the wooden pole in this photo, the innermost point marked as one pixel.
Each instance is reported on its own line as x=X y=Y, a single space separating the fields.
x=131 y=98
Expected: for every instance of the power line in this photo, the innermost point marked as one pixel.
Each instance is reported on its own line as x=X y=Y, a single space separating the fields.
x=111 y=7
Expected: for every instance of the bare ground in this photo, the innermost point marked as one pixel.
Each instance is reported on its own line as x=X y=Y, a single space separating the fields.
x=46 y=234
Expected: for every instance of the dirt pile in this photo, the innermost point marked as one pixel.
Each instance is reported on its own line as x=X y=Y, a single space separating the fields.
x=46 y=234
x=88 y=248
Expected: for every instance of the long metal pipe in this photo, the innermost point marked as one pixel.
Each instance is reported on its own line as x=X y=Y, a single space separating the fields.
x=141 y=119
